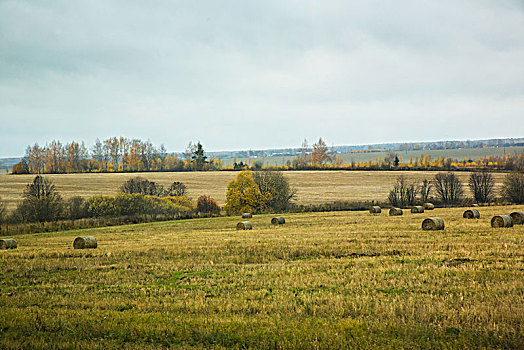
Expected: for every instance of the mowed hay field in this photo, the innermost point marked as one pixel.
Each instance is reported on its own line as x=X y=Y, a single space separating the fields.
x=313 y=187
x=322 y=280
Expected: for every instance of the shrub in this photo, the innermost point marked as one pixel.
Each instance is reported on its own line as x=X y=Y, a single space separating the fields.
x=275 y=186
x=207 y=205
x=131 y=204
x=41 y=202
x=482 y=186
x=76 y=208
x=101 y=206
x=125 y=204
x=143 y=186
x=448 y=188
x=243 y=195
x=3 y=211
x=166 y=206
x=513 y=188
x=182 y=201
x=177 y=189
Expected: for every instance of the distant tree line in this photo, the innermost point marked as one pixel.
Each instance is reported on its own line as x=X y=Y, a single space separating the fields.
x=111 y=155
x=319 y=156
x=135 y=155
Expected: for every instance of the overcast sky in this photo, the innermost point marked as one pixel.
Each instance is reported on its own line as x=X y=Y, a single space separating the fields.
x=259 y=74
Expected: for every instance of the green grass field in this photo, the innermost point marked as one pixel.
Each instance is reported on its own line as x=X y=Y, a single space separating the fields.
x=324 y=280
x=313 y=187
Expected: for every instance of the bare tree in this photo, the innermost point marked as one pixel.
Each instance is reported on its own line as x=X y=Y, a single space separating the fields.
x=275 y=186
x=411 y=194
x=402 y=194
x=482 y=186
x=304 y=155
x=177 y=189
x=41 y=201
x=513 y=188
x=320 y=152
x=425 y=190
x=190 y=149
x=142 y=186
x=125 y=146
x=162 y=154
x=97 y=152
x=448 y=188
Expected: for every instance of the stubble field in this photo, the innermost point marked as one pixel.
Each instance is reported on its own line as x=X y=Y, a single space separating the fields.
x=313 y=187
x=322 y=280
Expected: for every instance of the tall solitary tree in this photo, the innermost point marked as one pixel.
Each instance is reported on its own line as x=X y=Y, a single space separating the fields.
x=275 y=186
x=448 y=188
x=320 y=152
x=482 y=186
x=198 y=157
x=243 y=195
x=513 y=188
x=41 y=201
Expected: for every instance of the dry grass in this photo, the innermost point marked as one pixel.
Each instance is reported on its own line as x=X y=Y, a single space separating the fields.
x=313 y=187
x=323 y=280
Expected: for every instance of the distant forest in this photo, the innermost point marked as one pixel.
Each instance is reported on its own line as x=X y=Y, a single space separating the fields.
x=119 y=154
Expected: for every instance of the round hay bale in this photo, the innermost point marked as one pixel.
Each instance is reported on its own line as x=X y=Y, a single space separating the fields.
x=417 y=209
x=279 y=220
x=431 y=224
x=244 y=225
x=501 y=221
x=395 y=212
x=475 y=205
x=471 y=214
x=86 y=242
x=517 y=217
x=428 y=206
x=375 y=209
x=247 y=216
x=8 y=243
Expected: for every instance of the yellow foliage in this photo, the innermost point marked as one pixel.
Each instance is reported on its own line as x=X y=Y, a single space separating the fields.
x=243 y=195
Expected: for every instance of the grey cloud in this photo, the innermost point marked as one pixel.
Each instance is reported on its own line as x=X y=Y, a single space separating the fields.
x=249 y=74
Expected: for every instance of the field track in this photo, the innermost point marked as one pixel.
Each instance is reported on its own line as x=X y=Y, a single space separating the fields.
x=312 y=187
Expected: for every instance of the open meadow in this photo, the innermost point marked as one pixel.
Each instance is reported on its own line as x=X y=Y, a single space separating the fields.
x=323 y=280
x=313 y=187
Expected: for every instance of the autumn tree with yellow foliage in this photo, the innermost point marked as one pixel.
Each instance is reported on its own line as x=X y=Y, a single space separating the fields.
x=243 y=195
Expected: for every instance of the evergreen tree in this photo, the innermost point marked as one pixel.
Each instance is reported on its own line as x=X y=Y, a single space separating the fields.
x=198 y=157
